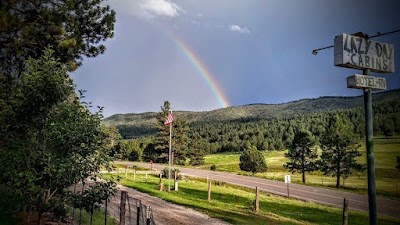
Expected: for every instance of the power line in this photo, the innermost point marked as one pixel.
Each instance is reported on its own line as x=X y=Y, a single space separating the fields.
x=315 y=51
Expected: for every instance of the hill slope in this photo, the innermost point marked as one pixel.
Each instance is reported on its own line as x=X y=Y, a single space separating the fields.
x=139 y=124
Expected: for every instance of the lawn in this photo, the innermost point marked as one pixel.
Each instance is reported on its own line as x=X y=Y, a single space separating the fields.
x=234 y=204
x=387 y=177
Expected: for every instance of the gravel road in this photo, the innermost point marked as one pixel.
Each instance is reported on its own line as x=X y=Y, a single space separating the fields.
x=165 y=213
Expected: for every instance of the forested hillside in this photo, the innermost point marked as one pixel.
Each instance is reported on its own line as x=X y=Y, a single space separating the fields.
x=134 y=125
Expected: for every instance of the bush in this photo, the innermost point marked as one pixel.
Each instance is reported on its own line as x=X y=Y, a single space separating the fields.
x=165 y=173
x=253 y=161
x=213 y=167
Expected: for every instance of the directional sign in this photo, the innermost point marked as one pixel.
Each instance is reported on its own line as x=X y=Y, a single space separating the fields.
x=362 y=82
x=361 y=53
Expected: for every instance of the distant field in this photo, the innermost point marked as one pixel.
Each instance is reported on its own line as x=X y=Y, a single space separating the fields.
x=233 y=204
x=387 y=177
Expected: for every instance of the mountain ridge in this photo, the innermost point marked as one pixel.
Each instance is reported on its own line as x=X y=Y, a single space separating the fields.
x=145 y=122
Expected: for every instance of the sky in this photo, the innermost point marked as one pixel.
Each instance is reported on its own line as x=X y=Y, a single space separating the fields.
x=203 y=55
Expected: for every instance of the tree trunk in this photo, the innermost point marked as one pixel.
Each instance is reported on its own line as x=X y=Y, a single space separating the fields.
x=40 y=217
x=338 y=180
x=338 y=168
x=302 y=167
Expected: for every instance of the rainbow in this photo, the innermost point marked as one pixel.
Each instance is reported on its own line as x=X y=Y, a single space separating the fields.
x=201 y=68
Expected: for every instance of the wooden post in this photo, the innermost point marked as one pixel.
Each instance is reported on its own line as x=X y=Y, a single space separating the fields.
x=209 y=190
x=134 y=174
x=288 y=190
x=160 y=182
x=126 y=171
x=122 y=208
x=257 y=205
x=345 y=211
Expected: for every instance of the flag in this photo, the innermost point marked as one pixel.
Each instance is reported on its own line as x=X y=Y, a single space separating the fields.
x=169 y=119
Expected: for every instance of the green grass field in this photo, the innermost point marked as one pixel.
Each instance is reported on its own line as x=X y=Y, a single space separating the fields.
x=387 y=177
x=233 y=204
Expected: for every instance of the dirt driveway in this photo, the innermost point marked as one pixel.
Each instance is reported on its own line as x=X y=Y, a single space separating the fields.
x=165 y=213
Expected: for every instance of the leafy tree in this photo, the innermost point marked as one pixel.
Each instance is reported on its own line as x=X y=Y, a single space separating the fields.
x=72 y=28
x=301 y=155
x=252 y=160
x=339 y=150
x=134 y=151
x=52 y=139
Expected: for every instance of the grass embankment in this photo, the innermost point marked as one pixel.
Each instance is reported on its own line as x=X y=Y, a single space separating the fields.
x=233 y=204
x=387 y=176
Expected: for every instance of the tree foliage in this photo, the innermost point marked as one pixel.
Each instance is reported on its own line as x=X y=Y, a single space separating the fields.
x=180 y=138
x=302 y=157
x=161 y=142
x=52 y=139
x=72 y=28
x=339 y=150
x=252 y=160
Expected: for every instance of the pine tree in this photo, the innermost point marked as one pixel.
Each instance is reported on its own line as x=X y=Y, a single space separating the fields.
x=252 y=160
x=339 y=150
x=196 y=150
x=301 y=155
x=161 y=142
x=180 y=141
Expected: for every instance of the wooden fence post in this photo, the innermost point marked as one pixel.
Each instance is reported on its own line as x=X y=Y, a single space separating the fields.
x=134 y=174
x=257 y=202
x=161 y=184
x=126 y=171
x=209 y=190
x=345 y=211
x=122 y=208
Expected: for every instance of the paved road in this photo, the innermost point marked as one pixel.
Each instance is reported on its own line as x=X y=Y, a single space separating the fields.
x=312 y=194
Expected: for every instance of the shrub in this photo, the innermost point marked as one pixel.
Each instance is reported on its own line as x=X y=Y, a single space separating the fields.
x=213 y=167
x=165 y=173
x=253 y=161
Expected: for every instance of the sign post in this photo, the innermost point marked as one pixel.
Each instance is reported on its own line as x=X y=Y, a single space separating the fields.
x=358 y=52
x=287 y=181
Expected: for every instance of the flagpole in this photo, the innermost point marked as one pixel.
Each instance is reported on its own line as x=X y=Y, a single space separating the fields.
x=169 y=156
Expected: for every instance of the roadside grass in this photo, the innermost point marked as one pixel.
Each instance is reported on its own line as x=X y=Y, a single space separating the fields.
x=387 y=176
x=234 y=204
